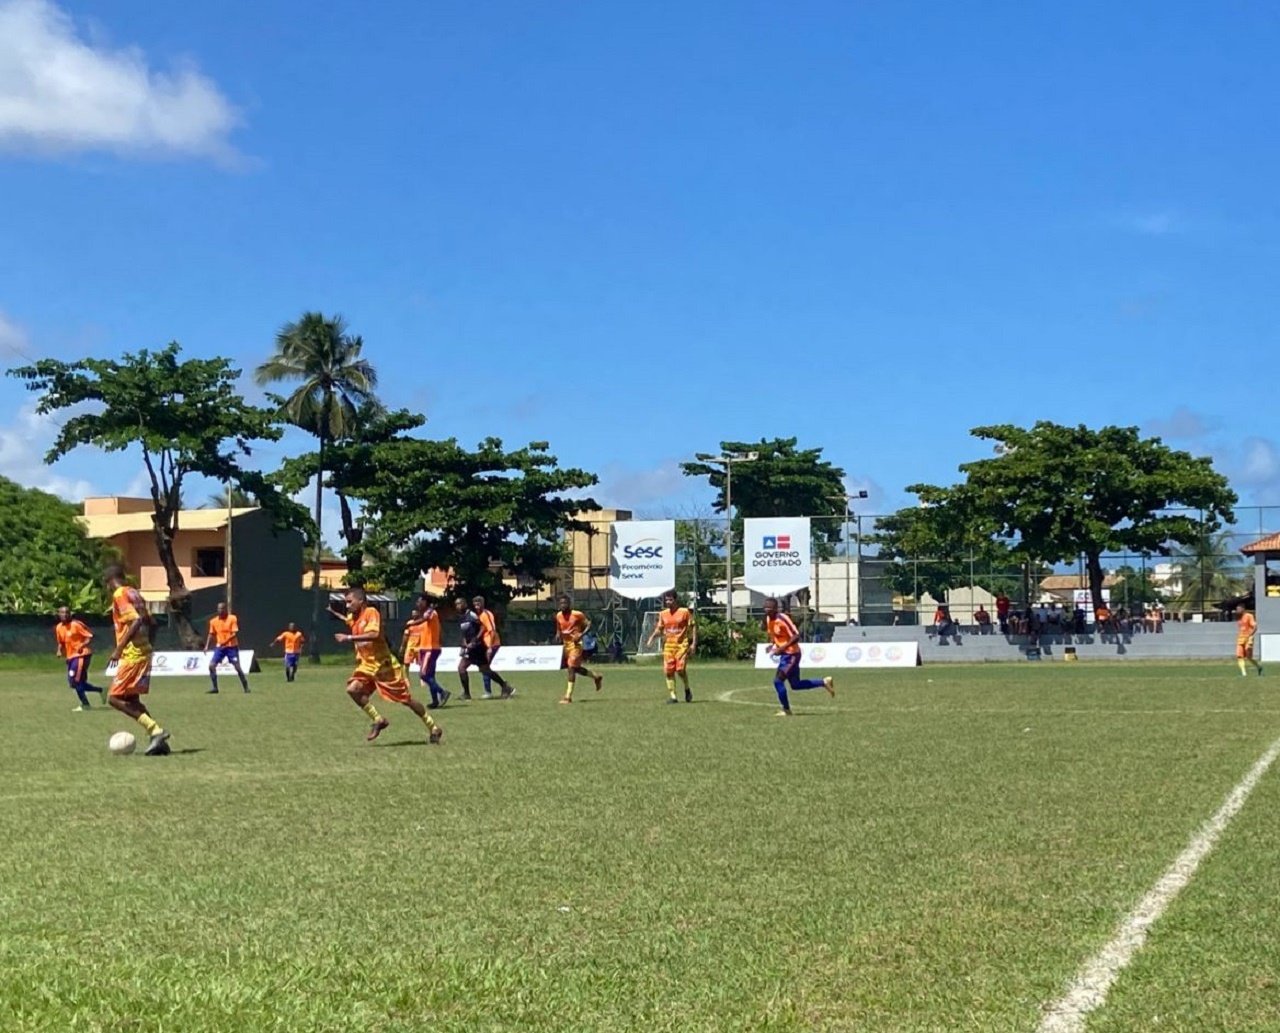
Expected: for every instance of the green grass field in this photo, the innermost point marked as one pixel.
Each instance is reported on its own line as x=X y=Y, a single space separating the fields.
x=936 y=849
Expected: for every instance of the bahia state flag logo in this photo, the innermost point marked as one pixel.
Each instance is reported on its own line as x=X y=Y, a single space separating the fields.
x=777 y=541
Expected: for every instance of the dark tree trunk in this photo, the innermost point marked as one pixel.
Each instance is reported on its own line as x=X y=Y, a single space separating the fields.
x=179 y=603
x=1093 y=564
x=352 y=534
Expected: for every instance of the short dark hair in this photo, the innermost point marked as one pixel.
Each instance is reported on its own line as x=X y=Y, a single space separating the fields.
x=358 y=592
x=114 y=572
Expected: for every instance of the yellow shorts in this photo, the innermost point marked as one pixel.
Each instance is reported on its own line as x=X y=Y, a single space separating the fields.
x=675 y=658
x=1244 y=648
x=389 y=680
x=572 y=658
x=133 y=675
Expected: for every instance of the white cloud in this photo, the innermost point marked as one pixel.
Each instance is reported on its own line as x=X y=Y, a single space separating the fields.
x=14 y=342
x=1183 y=423
x=60 y=93
x=646 y=491
x=23 y=444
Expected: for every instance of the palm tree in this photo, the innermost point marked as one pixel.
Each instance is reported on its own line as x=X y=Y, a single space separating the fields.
x=1210 y=570
x=235 y=497
x=333 y=383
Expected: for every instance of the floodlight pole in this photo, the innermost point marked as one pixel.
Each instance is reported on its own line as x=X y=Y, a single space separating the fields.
x=846 y=498
x=727 y=460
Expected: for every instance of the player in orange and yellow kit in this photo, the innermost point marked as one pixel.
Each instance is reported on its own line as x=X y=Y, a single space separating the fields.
x=224 y=636
x=571 y=626
x=292 y=640
x=784 y=646
x=73 y=637
x=679 y=631
x=423 y=632
x=377 y=670
x=1246 y=629
x=135 y=630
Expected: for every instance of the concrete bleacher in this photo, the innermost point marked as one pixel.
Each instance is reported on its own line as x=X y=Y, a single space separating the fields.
x=1213 y=641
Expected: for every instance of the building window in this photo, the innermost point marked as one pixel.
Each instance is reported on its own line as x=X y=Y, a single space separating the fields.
x=209 y=563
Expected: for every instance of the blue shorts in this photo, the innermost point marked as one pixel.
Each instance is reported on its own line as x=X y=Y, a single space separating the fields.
x=78 y=669
x=229 y=654
x=788 y=665
x=291 y=659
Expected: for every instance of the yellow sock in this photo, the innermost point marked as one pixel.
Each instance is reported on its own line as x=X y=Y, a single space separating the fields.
x=568 y=691
x=372 y=711
x=426 y=720
x=151 y=725
x=671 y=686
x=1240 y=664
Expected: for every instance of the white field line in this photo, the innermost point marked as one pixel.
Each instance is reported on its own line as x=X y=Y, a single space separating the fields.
x=1048 y=711
x=1089 y=989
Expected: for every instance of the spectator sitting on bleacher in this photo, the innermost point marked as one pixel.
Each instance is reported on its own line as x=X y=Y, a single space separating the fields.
x=982 y=619
x=1102 y=619
x=1002 y=612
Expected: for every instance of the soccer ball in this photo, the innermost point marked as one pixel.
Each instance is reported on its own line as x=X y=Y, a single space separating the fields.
x=122 y=744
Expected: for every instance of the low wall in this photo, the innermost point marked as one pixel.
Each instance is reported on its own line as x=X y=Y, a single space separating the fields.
x=1176 y=642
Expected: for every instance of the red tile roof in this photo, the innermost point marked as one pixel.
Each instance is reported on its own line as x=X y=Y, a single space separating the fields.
x=1271 y=543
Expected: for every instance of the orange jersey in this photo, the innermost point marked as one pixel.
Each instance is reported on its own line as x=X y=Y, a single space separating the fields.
x=224 y=630
x=782 y=630
x=73 y=639
x=490 y=633
x=292 y=641
x=376 y=653
x=571 y=626
x=123 y=613
x=411 y=637
x=1246 y=626
x=676 y=625
x=428 y=631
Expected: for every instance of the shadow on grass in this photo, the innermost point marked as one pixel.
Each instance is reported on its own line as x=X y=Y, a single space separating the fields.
x=185 y=752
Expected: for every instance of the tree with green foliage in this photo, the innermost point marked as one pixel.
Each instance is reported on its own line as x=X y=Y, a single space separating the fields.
x=1135 y=587
x=485 y=514
x=1055 y=493
x=1209 y=569
x=48 y=561
x=185 y=417
x=236 y=498
x=783 y=480
x=334 y=383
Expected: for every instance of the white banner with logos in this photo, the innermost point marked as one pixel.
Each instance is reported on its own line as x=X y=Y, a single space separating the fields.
x=1082 y=599
x=190 y=664
x=509 y=659
x=643 y=559
x=848 y=654
x=776 y=554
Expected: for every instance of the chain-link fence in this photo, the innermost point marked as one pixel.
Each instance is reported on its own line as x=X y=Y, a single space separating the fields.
x=851 y=582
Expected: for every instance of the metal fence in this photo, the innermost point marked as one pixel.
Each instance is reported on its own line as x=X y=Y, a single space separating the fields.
x=852 y=583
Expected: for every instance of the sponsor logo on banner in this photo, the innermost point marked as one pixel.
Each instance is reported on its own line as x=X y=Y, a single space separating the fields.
x=173 y=664
x=870 y=654
x=522 y=658
x=643 y=561
x=777 y=557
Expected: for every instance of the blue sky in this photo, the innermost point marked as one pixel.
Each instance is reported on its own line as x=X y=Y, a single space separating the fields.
x=636 y=229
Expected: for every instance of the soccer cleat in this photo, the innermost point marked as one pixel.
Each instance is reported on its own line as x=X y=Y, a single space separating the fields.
x=158 y=745
x=688 y=695
x=830 y=685
x=437 y=733
x=486 y=695
x=377 y=728
x=783 y=713
x=599 y=680
x=466 y=695
x=566 y=699
x=79 y=710
x=508 y=692
x=210 y=692
x=246 y=690
x=672 y=699
x=444 y=696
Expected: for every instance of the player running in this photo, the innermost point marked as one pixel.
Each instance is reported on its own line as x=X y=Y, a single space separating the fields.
x=492 y=640
x=423 y=633
x=377 y=670
x=571 y=626
x=475 y=653
x=1246 y=629
x=679 y=633
x=784 y=646
x=292 y=639
x=73 y=637
x=135 y=629
x=224 y=636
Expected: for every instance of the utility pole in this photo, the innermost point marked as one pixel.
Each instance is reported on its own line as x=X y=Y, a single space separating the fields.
x=727 y=460
x=846 y=498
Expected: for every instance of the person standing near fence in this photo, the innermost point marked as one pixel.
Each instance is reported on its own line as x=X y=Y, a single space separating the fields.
x=679 y=631
x=1246 y=629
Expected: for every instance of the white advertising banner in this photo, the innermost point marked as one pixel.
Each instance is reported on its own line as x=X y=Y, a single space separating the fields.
x=509 y=658
x=776 y=554
x=189 y=664
x=1269 y=648
x=847 y=654
x=1082 y=599
x=643 y=560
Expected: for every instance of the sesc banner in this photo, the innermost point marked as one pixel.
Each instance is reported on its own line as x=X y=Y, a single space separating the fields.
x=643 y=561
x=776 y=554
